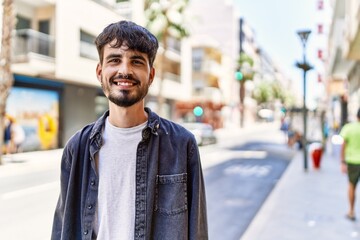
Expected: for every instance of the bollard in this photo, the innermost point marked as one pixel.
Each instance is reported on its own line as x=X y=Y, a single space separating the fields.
x=316 y=151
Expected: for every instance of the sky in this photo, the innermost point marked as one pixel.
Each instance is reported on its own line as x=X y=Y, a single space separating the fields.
x=276 y=22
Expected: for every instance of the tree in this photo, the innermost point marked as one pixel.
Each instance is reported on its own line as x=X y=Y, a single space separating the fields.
x=263 y=93
x=245 y=67
x=6 y=77
x=165 y=18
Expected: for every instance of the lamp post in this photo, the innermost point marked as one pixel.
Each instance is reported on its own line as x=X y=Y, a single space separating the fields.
x=304 y=34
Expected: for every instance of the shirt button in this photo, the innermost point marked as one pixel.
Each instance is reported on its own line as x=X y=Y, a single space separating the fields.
x=85 y=232
x=90 y=206
x=92 y=183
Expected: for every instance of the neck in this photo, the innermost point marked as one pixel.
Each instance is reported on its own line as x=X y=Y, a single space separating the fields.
x=127 y=117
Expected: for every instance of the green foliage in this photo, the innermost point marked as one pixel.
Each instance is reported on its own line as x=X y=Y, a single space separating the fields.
x=266 y=92
x=245 y=65
x=167 y=18
x=278 y=92
x=245 y=59
x=263 y=93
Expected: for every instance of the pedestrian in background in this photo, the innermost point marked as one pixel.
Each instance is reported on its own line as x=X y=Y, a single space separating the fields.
x=14 y=135
x=131 y=174
x=8 y=135
x=350 y=160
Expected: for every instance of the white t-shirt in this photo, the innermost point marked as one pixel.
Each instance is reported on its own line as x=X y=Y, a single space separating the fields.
x=117 y=169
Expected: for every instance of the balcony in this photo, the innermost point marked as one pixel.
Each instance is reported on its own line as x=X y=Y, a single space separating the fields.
x=172 y=77
x=352 y=31
x=38 y=3
x=33 y=53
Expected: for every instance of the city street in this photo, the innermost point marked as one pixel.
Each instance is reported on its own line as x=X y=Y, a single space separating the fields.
x=240 y=171
x=237 y=188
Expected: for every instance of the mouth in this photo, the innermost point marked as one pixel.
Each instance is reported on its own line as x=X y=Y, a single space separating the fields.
x=125 y=83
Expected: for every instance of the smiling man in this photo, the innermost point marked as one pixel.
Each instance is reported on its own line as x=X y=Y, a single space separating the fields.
x=131 y=174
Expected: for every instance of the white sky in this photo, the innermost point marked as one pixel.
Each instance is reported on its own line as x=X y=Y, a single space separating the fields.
x=276 y=22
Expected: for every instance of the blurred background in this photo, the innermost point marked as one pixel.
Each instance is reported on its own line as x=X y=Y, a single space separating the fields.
x=226 y=65
x=220 y=62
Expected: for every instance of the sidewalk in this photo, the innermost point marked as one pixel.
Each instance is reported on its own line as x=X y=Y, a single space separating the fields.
x=37 y=161
x=306 y=205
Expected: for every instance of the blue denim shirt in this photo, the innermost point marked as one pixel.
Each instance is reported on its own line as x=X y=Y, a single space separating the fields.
x=170 y=195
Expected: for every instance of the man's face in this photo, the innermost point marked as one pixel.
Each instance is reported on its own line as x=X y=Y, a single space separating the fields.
x=125 y=75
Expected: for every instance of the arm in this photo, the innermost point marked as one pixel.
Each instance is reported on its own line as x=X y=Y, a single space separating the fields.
x=342 y=157
x=58 y=221
x=198 y=229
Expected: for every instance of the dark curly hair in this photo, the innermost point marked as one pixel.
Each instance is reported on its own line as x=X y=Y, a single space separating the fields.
x=135 y=37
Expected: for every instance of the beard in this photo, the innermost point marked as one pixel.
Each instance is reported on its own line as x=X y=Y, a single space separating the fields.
x=125 y=98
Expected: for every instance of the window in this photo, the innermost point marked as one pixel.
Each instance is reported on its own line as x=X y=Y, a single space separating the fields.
x=22 y=22
x=197 y=58
x=87 y=46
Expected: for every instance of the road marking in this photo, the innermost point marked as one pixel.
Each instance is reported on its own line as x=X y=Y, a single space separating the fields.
x=248 y=170
x=30 y=190
x=214 y=158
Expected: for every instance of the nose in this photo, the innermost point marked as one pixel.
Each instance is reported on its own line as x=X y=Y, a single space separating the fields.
x=124 y=68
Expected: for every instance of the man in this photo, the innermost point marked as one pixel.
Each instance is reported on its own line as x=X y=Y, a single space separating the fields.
x=131 y=174
x=350 y=159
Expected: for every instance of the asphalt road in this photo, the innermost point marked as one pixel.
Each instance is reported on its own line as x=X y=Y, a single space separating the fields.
x=238 y=186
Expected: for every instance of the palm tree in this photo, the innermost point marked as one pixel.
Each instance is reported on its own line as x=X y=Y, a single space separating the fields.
x=245 y=66
x=6 y=77
x=165 y=18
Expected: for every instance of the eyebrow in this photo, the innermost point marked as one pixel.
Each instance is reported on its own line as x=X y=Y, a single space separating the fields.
x=116 y=55
x=113 y=55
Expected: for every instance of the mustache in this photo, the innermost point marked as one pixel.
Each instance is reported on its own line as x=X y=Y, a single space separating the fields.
x=125 y=76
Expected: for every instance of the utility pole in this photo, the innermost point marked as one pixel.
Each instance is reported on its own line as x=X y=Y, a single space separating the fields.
x=304 y=34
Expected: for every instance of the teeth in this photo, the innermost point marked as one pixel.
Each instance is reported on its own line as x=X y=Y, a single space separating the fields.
x=124 y=84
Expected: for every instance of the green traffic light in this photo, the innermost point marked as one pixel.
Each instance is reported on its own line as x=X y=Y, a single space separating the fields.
x=198 y=111
x=239 y=76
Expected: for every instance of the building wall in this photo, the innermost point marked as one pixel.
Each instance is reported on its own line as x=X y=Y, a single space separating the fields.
x=69 y=65
x=78 y=109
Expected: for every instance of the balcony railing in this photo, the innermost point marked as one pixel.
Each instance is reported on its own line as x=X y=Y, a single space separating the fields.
x=29 y=41
x=172 y=76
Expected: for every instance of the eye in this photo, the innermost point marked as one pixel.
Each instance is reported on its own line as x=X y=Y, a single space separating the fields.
x=115 y=60
x=138 y=62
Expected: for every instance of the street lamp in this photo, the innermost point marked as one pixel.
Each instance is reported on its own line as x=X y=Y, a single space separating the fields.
x=304 y=34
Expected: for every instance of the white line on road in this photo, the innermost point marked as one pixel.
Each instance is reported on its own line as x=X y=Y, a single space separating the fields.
x=30 y=190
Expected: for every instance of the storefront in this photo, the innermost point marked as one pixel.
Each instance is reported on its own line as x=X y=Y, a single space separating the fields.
x=33 y=105
x=50 y=111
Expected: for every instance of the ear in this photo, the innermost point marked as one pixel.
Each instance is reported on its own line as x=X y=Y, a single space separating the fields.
x=98 y=72
x=151 y=75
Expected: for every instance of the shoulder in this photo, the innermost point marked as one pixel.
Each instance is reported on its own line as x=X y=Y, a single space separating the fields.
x=79 y=136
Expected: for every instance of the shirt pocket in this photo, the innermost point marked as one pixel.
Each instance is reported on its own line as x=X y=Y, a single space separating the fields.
x=171 y=194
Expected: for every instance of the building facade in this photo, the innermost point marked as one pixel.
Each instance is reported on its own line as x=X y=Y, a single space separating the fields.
x=55 y=91
x=343 y=67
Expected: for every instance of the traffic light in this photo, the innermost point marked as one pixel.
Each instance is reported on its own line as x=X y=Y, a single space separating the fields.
x=238 y=75
x=198 y=111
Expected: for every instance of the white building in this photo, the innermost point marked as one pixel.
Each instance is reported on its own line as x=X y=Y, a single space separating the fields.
x=55 y=91
x=343 y=68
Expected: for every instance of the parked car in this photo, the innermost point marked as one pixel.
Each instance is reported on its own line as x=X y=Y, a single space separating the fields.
x=203 y=132
x=266 y=114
